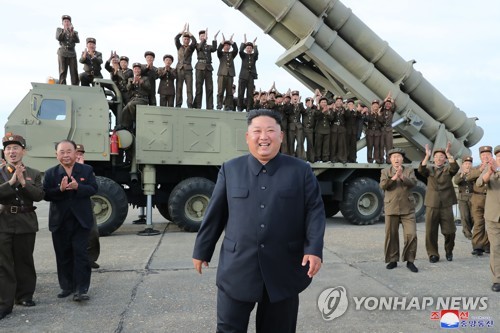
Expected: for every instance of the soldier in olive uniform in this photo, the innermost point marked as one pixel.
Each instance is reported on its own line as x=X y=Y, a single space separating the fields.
x=308 y=123
x=204 y=70
x=386 y=138
x=226 y=73
x=283 y=110
x=67 y=37
x=439 y=200
x=338 y=133
x=491 y=178
x=184 y=68
x=295 y=131
x=322 y=131
x=397 y=182
x=120 y=73
x=139 y=88
x=351 y=124
x=373 y=133
x=92 y=61
x=167 y=76
x=465 y=188
x=149 y=70
x=249 y=54
x=20 y=186
x=480 y=242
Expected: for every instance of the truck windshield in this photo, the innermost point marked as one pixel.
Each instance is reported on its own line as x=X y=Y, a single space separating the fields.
x=52 y=109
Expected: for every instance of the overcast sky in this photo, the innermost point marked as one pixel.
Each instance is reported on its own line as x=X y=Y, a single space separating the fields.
x=455 y=42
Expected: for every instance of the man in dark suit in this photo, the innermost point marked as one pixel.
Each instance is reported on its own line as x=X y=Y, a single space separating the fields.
x=69 y=186
x=273 y=232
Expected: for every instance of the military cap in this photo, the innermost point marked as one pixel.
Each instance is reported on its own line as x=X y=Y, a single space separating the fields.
x=308 y=99
x=339 y=97
x=10 y=138
x=497 y=149
x=151 y=53
x=90 y=40
x=168 y=56
x=376 y=101
x=66 y=17
x=272 y=91
x=136 y=64
x=396 y=151
x=323 y=99
x=295 y=92
x=331 y=101
x=201 y=32
x=350 y=100
x=186 y=34
x=467 y=159
x=249 y=44
x=388 y=100
x=439 y=150
x=228 y=42
x=124 y=58
x=255 y=93
x=287 y=96
x=80 y=148
x=485 y=149
x=279 y=95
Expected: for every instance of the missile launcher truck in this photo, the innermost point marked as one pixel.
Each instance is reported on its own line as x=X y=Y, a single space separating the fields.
x=172 y=160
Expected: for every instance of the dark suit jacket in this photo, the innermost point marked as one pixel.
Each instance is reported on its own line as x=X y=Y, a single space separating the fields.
x=271 y=218
x=248 y=70
x=76 y=203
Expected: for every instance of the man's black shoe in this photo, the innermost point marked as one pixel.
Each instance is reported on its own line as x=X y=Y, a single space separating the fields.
x=495 y=287
x=433 y=259
x=26 y=302
x=411 y=266
x=64 y=293
x=449 y=257
x=391 y=265
x=477 y=252
x=95 y=265
x=80 y=297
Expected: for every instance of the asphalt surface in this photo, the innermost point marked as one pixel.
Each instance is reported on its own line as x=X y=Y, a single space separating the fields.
x=147 y=284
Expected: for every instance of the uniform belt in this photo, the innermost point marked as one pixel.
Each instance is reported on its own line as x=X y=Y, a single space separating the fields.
x=9 y=209
x=202 y=60
x=467 y=191
x=481 y=193
x=336 y=123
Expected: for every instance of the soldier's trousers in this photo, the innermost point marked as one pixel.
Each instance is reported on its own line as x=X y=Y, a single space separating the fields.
x=225 y=92
x=17 y=269
x=309 y=136
x=351 y=146
x=168 y=100
x=322 y=146
x=338 y=145
x=187 y=77
x=493 y=229
x=465 y=208
x=204 y=76
x=435 y=218
x=247 y=86
x=64 y=63
x=296 y=135
x=479 y=235
x=373 y=146
x=284 y=143
x=391 y=245
x=386 y=143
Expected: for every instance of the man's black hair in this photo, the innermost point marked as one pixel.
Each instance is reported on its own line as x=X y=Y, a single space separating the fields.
x=69 y=141
x=263 y=112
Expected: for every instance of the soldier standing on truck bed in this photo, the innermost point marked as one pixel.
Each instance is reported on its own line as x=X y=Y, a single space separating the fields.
x=386 y=139
x=66 y=54
x=322 y=131
x=167 y=76
x=338 y=145
x=184 y=67
x=91 y=60
x=204 y=70
x=465 y=188
x=139 y=88
x=295 y=131
x=226 y=73
x=373 y=133
x=249 y=55
x=120 y=73
x=439 y=200
x=308 y=123
x=352 y=116
x=480 y=241
x=149 y=70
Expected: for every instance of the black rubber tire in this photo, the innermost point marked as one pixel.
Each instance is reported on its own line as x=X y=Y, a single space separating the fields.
x=363 y=201
x=163 y=209
x=331 y=207
x=110 y=205
x=188 y=202
x=419 y=194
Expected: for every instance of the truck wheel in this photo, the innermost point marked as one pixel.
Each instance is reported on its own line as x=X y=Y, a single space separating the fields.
x=331 y=207
x=110 y=205
x=163 y=209
x=419 y=194
x=188 y=202
x=363 y=201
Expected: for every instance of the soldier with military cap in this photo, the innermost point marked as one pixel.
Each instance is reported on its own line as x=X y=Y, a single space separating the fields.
x=338 y=132
x=439 y=200
x=167 y=76
x=351 y=124
x=249 y=54
x=295 y=130
x=308 y=124
x=119 y=73
x=490 y=178
x=465 y=189
x=92 y=61
x=66 y=54
x=397 y=182
x=184 y=67
x=204 y=70
x=386 y=116
x=373 y=133
x=322 y=131
x=139 y=89
x=149 y=70
x=480 y=241
x=20 y=187
x=226 y=73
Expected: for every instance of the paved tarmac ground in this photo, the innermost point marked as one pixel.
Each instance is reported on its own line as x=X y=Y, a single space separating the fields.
x=147 y=284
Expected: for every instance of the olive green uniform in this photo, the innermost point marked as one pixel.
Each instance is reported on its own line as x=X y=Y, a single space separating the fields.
x=18 y=227
x=439 y=200
x=465 y=188
x=478 y=201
